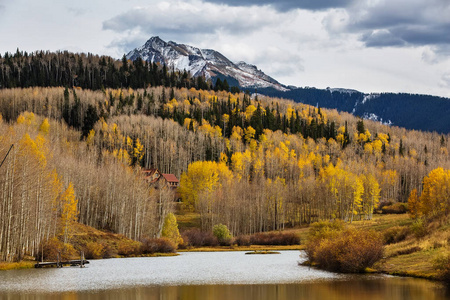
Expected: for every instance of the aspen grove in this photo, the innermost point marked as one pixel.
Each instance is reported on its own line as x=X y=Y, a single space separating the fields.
x=250 y=162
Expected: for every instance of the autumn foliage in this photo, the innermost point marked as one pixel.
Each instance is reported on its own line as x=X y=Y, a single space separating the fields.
x=343 y=250
x=435 y=198
x=252 y=163
x=196 y=238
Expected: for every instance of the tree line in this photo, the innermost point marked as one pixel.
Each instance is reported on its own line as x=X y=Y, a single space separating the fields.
x=94 y=72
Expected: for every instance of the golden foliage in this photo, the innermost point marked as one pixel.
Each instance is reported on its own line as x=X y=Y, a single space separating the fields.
x=170 y=230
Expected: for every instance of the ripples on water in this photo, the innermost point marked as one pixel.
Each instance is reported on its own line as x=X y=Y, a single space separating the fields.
x=207 y=275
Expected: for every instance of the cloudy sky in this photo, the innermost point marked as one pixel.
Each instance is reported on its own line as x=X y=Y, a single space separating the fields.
x=368 y=45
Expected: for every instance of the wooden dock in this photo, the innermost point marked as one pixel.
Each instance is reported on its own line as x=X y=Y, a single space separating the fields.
x=60 y=264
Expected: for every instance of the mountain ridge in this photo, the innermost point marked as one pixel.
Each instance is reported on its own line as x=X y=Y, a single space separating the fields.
x=203 y=62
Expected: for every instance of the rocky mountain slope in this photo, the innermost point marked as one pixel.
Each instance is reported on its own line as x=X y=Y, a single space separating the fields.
x=203 y=62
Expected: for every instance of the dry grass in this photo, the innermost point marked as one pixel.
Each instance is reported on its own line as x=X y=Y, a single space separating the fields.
x=16 y=265
x=412 y=256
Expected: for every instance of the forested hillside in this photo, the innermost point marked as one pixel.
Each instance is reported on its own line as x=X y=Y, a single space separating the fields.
x=411 y=111
x=254 y=164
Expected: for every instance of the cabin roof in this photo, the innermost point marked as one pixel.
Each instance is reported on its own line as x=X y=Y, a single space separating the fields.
x=170 y=178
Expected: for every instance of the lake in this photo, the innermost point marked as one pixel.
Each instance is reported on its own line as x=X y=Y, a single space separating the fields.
x=209 y=275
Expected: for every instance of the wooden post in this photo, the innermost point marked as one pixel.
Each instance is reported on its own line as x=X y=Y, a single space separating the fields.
x=58 y=260
x=82 y=260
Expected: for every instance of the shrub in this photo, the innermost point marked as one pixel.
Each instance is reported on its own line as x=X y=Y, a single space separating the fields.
x=50 y=249
x=94 y=250
x=275 y=238
x=223 y=235
x=242 y=240
x=151 y=246
x=419 y=228
x=196 y=238
x=320 y=231
x=407 y=251
x=384 y=203
x=128 y=248
x=442 y=264
x=348 y=251
x=396 y=208
x=395 y=234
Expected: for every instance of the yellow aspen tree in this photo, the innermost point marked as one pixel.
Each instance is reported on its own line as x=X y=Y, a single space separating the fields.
x=170 y=230
x=129 y=144
x=90 y=137
x=358 y=191
x=413 y=204
x=249 y=134
x=138 y=151
x=436 y=193
x=200 y=177
x=249 y=111
x=371 y=195
x=69 y=212
x=44 y=127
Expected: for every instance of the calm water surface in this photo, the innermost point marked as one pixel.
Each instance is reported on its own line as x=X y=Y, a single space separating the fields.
x=210 y=275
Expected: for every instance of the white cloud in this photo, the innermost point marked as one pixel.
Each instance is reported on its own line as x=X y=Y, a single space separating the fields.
x=176 y=18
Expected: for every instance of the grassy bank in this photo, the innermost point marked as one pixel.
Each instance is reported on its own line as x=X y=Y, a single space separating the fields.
x=16 y=265
x=409 y=252
x=242 y=248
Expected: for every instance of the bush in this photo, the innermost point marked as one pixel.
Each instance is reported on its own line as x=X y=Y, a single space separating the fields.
x=94 y=250
x=384 y=203
x=242 y=240
x=196 y=238
x=275 y=238
x=223 y=235
x=406 y=251
x=419 y=228
x=50 y=249
x=320 y=231
x=128 y=248
x=348 y=251
x=151 y=246
x=442 y=264
x=396 y=208
x=395 y=234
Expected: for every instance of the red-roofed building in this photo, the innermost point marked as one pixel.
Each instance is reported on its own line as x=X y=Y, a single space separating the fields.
x=172 y=180
x=155 y=177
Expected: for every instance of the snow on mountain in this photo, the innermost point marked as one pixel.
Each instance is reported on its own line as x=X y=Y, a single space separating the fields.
x=202 y=62
x=369 y=97
x=374 y=117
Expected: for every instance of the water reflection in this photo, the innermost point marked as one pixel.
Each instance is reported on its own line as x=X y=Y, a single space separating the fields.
x=358 y=289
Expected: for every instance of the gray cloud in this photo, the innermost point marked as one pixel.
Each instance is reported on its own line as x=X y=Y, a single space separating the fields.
x=77 y=11
x=445 y=80
x=401 y=23
x=382 y=38
x=187 y=21
x=2 y=6
x=285 y=5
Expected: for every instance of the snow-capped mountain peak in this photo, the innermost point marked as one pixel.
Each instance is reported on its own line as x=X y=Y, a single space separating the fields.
x=203 y=62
